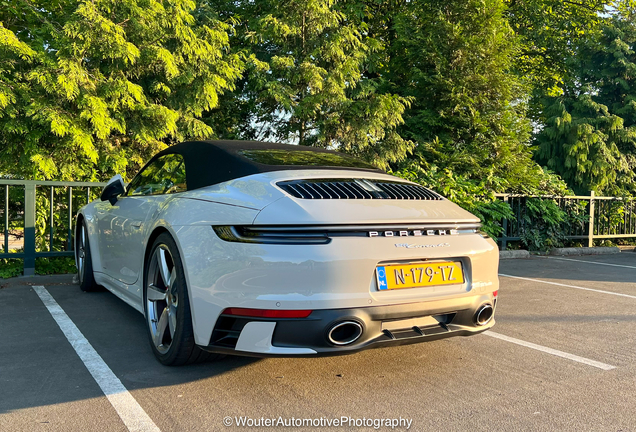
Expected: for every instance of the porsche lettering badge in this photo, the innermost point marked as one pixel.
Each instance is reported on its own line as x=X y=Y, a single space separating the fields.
x=412 y=233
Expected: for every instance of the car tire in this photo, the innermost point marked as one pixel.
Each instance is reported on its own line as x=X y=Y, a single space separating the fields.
x=84 y=260
x=167 y=306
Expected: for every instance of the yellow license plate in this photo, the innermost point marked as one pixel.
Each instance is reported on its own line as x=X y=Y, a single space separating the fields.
x=419 y=275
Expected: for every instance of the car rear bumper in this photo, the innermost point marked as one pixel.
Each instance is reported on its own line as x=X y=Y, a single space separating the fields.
x=380 y=326
x=340 y=275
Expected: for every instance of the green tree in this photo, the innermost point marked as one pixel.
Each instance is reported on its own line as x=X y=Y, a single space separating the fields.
x=549 y=32
x=307 y=82
x=455 y=61
x=589 y=133
x=90 y=88
x=580 y=142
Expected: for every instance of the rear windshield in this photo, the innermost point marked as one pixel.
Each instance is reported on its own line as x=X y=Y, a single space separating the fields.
x=304 y=158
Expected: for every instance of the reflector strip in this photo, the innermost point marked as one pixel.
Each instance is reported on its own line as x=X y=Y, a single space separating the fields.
x=267 y=313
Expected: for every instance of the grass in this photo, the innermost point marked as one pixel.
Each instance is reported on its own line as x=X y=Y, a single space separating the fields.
x=12 y=267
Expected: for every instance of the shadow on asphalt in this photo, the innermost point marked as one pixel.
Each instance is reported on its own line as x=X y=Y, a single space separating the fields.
x=39 y=367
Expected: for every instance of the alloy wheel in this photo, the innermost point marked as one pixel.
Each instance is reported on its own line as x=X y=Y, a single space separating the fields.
x=162 y=300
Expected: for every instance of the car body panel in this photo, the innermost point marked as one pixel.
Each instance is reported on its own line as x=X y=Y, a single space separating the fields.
x=292 y=211
x=259 y=190
x=164 y=208
x=121 y=231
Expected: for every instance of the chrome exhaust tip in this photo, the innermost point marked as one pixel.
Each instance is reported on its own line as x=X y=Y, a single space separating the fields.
x=484 y=314
x=345 y=333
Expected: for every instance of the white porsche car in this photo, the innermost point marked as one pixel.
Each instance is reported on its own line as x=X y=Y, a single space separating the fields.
x=250 y=248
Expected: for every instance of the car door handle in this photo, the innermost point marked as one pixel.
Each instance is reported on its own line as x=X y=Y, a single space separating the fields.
x=135 y=224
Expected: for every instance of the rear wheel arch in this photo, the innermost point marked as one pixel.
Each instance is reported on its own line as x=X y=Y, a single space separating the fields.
x=153 y=236
x=183 y=348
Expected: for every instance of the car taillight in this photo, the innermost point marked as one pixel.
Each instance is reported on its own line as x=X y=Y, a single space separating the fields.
x=494 y=294
x=266 y=313
x=271 y=235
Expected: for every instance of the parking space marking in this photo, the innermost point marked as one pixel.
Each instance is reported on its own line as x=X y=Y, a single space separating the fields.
x=569 y=286
x=552 y=351
x=128 y=409
x=593 y=262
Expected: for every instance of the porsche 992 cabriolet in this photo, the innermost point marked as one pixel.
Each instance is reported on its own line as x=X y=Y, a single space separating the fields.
x=261 y=249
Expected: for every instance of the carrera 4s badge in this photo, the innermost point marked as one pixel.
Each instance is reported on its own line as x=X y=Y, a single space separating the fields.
x=418 y=246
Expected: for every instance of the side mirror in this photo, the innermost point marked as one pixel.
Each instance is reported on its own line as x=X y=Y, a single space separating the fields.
x=113 y=189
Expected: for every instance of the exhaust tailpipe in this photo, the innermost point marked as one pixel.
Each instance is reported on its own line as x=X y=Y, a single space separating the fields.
x=484 y=314
x=345 y=333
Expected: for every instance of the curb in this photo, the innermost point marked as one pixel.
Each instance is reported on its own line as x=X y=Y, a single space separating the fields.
x=585 y=251
x=516 y=254
x=512 y=254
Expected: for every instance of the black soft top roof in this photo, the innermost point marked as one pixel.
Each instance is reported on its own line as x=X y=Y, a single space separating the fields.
x=212 y=162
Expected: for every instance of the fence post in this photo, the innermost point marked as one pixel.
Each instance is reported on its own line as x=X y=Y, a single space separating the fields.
x=29 y=229
x=590 y=229
x=6 y=219
x=504 y=238
x=69 y=235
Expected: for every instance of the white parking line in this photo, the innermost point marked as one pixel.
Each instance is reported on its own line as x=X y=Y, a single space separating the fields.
x=552 y=351
x=128 y=409
x=569 y=286
x=593 y=262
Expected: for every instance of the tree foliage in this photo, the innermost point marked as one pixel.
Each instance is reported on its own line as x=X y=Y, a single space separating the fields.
x=589 y=133
x=90 y=88
x=432 y=89
x=468 y=116
x=307 y=80
x=549 y=31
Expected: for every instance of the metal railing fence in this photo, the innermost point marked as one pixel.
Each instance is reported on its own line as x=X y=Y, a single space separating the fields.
x=590 y=217
x=36 y=229
x=40 y=216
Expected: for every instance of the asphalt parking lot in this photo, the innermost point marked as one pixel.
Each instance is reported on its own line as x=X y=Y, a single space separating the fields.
x=562 y=357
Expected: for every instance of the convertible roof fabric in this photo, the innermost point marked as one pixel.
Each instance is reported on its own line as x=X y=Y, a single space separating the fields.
x=212 y=162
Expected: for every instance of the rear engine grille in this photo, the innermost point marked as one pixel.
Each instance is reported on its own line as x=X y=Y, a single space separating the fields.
x=356 y=189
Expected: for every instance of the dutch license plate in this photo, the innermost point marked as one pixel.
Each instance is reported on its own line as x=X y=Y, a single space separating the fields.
x=418 y=275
